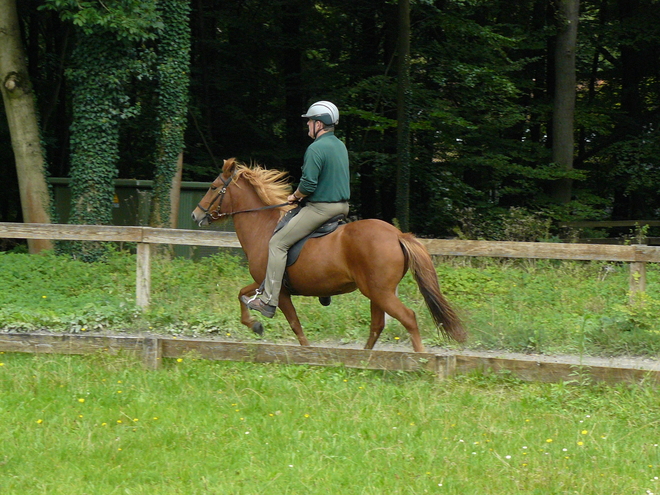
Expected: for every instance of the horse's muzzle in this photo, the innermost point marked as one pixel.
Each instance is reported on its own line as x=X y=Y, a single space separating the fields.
x=200 y=218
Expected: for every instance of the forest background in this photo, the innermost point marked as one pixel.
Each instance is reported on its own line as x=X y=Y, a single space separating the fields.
x=498 y=121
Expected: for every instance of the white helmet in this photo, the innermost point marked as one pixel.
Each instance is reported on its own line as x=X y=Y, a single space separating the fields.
x=324 y=111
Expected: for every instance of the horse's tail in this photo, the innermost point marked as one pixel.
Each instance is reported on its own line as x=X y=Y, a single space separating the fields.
x=421 y=266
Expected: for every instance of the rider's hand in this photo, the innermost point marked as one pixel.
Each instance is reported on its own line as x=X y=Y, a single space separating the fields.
x=292 y=199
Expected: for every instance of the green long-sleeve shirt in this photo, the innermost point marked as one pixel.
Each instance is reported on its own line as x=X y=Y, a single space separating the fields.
x=325 y=171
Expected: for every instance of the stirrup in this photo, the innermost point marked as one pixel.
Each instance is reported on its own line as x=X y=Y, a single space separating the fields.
x=257 y=293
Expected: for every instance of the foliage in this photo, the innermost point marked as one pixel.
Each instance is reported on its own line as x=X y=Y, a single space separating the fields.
x=105 y=61
x=134 y=20
x=259 y=428
x=524 y=305
x=109 y=55
x=172 y=74
x=74 y=298
x=517 y=224
x=482 y=94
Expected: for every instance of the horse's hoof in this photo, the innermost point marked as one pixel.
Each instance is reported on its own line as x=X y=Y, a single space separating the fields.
x=258 y=328
x=325 y=301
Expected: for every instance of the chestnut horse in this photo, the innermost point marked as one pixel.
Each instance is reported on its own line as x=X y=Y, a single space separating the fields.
x=369 y=255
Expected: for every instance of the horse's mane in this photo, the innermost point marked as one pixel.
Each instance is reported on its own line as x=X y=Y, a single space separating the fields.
x=272 y=186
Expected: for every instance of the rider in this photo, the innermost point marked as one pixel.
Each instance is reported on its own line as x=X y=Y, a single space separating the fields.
x=325 y=187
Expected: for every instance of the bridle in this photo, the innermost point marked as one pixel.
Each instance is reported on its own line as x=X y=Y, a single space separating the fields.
x=216 y=214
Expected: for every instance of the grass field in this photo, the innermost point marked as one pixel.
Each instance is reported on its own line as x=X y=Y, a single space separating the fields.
x=538 y=306
x=104 y=425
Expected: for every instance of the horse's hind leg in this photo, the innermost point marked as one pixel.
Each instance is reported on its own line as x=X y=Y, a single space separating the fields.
x=286 y=305
x=395 y=308
x=377 y=325
x=246 y=317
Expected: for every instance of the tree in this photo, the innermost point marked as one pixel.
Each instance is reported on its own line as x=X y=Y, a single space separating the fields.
x=23 y=125
x=173 y=74
x=403 y=118
x=563 y=141
x=111 y=53
x=489 y=129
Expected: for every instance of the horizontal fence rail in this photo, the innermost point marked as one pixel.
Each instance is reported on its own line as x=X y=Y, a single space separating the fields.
x=152 y=349
x=67 y=232
x=145 y=237
x=541 y=250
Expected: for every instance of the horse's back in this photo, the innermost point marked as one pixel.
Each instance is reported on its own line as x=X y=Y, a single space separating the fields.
x=373 y=243
x=369 y=237
x=336 y=263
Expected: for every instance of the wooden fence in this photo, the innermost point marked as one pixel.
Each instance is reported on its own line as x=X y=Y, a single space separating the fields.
x=152 y=349
x=146 y=237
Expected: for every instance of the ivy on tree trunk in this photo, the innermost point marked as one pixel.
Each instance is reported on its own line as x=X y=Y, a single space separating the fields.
x=98 y=80
x=173 y=77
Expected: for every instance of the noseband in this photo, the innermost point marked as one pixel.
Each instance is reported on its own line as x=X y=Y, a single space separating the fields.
x=216 y=214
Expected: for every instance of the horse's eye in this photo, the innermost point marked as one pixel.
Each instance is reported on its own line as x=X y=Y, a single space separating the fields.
x=213 y=188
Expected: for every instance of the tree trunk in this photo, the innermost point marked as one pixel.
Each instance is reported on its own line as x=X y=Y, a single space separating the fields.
x=174 y=79
x=628 y=201
x=23 y=125
x=564 y=104
x=293 y=14
x=403 y=119
x=175 y=193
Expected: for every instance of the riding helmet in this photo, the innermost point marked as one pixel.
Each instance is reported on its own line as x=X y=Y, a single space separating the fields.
x=324 y=111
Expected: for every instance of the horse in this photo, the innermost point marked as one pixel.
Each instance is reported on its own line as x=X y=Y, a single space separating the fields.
x=369 y=255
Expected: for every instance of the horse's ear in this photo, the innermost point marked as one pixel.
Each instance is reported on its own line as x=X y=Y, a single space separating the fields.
x=229 y=167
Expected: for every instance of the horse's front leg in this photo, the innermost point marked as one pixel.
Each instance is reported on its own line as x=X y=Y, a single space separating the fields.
x=286 y=305
x=246 y=316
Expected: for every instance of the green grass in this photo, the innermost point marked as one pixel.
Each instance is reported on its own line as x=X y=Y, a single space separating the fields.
x=104 y=425
x=521 y=305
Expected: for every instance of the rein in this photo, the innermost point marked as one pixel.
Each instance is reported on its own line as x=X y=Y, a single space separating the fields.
x=216 y=215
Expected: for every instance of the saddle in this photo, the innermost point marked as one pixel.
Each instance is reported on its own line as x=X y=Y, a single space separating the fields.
x=294 y=251
x=325 y=229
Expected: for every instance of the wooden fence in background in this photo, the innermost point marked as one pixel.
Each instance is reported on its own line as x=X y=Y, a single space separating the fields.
x=145 y=237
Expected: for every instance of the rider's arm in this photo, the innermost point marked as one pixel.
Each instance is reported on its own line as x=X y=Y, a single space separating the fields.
x=296 y=196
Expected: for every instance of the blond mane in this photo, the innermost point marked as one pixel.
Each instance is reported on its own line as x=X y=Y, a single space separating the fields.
x=272 y=186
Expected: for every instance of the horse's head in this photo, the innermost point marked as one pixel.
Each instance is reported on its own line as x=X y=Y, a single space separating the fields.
x=210 y=208
x=260 y=190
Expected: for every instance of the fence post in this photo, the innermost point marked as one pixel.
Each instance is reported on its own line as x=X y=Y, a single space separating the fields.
x=445 y=366
x=637 y=278
x=152 y=352
x=143 y=275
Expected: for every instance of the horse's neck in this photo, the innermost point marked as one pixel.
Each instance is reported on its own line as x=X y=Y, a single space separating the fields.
x=254 y=230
